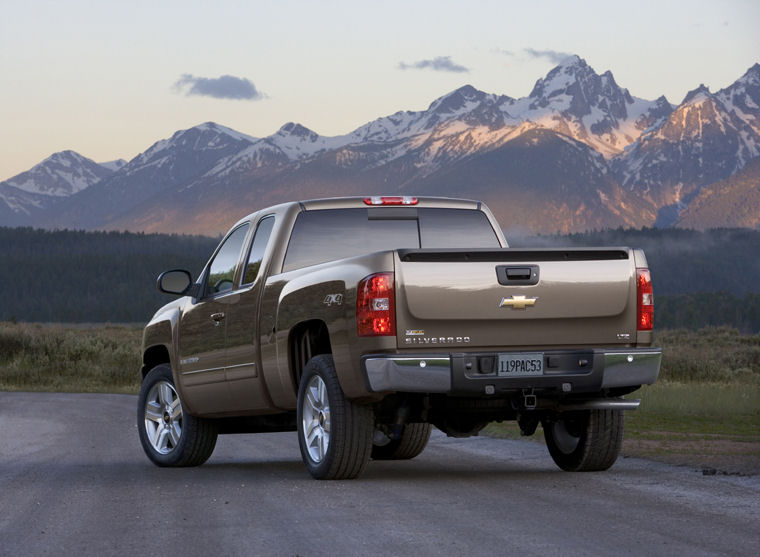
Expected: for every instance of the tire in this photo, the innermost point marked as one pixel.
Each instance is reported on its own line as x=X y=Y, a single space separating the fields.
x=413 y=441
x=334 y=434
x=168 y=434
x=585 y=441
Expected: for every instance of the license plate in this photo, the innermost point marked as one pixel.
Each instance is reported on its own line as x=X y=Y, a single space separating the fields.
x=521 y=365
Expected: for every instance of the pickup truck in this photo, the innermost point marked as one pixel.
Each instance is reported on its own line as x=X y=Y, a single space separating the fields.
x=361 y=323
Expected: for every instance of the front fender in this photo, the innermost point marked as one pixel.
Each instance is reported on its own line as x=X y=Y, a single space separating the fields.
x=161 y=332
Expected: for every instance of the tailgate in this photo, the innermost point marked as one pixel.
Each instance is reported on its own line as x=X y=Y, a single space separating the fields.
x=515 y=297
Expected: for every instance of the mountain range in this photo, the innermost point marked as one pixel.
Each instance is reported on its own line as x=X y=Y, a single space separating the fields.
x=578 y=153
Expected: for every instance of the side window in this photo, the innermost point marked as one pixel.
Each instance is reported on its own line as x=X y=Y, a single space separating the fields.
x=259 y=245
x=222 y=269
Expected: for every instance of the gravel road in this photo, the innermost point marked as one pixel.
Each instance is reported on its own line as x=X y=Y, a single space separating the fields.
x=74 y=480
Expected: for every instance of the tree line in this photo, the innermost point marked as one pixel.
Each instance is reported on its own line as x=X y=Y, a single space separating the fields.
x=682 y=261
x=700 y=278
x=91 y=277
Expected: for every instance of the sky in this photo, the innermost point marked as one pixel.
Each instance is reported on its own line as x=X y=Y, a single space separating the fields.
x=109 y=78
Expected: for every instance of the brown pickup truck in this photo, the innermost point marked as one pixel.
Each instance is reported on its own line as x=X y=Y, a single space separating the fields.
x=362 y=323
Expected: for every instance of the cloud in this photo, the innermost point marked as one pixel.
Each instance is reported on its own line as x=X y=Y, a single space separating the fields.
x=438 y=64
x=223 y=87
x=551 y=55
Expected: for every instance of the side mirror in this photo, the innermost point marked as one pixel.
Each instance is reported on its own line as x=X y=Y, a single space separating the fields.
x=177 y=282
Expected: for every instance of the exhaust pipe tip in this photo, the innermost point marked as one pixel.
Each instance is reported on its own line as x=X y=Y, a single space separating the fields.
x=599 y=404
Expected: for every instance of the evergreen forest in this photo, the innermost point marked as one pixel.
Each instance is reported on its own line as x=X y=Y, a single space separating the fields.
x=700 y=278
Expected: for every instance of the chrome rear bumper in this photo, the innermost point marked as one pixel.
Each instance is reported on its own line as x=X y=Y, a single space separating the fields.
x=446 y=373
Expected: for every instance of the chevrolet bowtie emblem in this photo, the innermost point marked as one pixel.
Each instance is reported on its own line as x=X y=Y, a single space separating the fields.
x=518 y=302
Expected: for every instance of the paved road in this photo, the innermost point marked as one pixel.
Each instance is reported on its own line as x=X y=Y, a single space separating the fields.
x=74 y=480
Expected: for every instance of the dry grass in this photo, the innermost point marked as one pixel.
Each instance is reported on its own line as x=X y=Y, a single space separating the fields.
x=712 y=354
x=102 y=358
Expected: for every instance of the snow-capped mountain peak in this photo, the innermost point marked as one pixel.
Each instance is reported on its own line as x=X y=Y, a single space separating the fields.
x=576 y=101
x=577 y=130
x=59 y=175
x=572 y=70
x=293 y=130
x=292 y=142
x=698 y=95
x=742 y=98
x=297 y=142
x=707 y=138
x=458 y=101
x=204 y=139
x=213 y=127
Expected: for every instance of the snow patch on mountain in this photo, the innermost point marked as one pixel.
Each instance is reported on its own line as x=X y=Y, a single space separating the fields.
x=742 y=98
x=298 y=142
x=19 y=201
x=574 y=100
x=704 y=140
x=60 y=175
x=202 y=139
x=215 y=128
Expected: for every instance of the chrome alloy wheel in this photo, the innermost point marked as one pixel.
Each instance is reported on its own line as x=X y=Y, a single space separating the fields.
x=163 y=417
x=315 y=420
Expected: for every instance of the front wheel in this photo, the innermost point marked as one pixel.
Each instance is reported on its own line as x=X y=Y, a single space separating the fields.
x=169 y=435
x=584 y=441
x=334 y=434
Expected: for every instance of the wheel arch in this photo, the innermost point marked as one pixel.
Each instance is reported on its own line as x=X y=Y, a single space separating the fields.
x=306 y=340
x=158 y=341
x=153 y=356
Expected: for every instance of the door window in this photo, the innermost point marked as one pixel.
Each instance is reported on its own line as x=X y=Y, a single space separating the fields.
x=260 y=241
x=221 y=272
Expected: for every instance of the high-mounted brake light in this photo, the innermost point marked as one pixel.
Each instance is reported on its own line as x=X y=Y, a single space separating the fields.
x=644 y=300
x=394 y=200
x=376 y=306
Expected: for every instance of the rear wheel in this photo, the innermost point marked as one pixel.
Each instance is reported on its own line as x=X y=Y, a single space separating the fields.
x=412 y=442
x=585 y=441
x=334 y=433
x=169 y=435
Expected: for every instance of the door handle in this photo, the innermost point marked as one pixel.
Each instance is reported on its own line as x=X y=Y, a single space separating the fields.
x=217 y=318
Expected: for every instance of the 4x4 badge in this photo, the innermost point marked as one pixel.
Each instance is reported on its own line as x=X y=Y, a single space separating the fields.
x=518 y=302
x=336 y=299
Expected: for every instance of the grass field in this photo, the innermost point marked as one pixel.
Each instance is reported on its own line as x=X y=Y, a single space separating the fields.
x=73 y=358
x=704 y=410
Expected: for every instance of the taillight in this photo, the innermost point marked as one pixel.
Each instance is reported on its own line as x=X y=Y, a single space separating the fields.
x=644 y=300
x=393 y=200
x=376 y=306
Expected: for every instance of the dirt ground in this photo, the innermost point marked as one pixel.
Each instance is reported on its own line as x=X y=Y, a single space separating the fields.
x=711 y=455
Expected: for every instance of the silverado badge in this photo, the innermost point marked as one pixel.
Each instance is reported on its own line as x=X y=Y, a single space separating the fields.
x=518 y=302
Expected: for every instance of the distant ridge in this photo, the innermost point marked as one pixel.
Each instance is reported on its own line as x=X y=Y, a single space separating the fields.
x=579 y=152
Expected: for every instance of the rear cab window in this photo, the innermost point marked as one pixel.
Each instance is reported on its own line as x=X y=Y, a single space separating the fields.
x=330 y=234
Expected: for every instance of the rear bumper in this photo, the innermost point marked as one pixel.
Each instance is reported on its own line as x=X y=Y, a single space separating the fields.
x=566 y=371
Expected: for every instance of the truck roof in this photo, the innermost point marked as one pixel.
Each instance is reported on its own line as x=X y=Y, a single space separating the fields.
x=372 y=201
x=380 y=201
